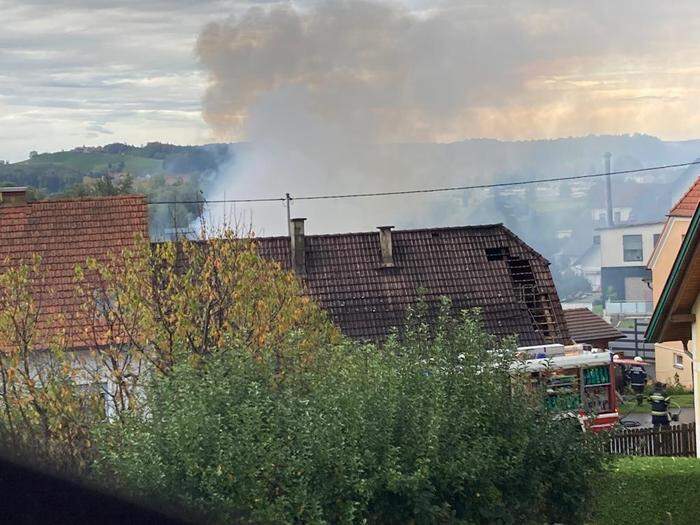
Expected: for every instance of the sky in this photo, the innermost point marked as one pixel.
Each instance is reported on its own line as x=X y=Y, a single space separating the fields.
x=79 y=72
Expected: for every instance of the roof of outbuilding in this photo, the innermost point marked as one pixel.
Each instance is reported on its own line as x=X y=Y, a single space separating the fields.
x=686 y=205
x=587 y=327
x=486 y=267
x=65 y=233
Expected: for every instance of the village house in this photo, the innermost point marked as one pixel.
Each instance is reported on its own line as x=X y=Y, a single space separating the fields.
x=63 y=234
x=624 y=277
x=675 y=316
x=366 y=281
x=672 y=363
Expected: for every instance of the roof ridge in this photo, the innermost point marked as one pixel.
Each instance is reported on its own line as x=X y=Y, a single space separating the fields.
x=676 y=207
x=412 y=230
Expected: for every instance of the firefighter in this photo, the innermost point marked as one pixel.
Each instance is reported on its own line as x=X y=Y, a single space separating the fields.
x=638 y=378
x=659 y=406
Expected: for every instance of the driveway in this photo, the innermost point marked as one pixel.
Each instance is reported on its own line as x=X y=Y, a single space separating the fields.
x=644 y=420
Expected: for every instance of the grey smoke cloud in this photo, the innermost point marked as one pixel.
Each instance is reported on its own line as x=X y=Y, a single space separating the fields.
x=323 y=93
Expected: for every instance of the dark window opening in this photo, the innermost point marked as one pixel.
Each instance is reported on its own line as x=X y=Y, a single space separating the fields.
x=497 y=254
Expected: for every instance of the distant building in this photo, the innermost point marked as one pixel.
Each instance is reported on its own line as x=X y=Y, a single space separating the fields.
x=588 y=264
x=624 y=250
x=672 y=363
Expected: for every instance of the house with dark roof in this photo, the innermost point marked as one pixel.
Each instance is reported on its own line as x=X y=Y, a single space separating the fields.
x=586 y=327
x=367 y=280
x=65 y=233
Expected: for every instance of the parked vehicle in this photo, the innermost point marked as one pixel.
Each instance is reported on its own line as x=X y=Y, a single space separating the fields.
x=576 y=382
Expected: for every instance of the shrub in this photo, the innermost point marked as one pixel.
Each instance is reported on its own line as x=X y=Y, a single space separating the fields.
x=642 y=491
x=427 y=429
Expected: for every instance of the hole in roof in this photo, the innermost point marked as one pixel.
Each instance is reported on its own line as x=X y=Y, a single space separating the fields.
x=496 y=254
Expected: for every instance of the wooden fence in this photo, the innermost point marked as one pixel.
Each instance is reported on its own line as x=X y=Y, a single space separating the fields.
x=676 y=440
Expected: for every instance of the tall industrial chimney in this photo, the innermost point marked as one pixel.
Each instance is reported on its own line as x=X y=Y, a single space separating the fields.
x=608 y=191
x=298 y=245
x=386 y=246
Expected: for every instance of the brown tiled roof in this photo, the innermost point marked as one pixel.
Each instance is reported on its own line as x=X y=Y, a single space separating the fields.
x=686 y=205
x=587 y=327
x=65 y=233
x=487 y=267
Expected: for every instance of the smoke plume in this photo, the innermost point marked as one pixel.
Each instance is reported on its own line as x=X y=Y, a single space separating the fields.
x=340 y=97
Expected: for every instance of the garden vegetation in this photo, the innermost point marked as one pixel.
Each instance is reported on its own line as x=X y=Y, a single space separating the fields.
x=230 y=393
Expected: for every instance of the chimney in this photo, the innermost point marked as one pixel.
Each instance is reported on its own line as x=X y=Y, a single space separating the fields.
x=298 y=245
x=13 y=196
x=608 y=192
x=386 y=246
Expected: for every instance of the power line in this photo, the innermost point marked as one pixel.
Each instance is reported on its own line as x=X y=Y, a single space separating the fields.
x=431 y=190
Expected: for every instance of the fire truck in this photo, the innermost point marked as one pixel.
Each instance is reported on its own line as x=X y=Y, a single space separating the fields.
x=576 y=381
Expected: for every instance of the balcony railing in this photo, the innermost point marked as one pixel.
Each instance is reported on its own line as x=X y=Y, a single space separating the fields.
x=628 y=307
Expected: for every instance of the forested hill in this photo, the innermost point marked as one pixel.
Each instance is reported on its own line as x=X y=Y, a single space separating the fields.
x=51 y=174
x=163 y=172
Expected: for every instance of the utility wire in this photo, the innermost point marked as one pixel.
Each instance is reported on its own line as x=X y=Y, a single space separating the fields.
x=432 y=190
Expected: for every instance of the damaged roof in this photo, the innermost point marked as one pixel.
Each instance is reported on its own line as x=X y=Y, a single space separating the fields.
x=486 y=267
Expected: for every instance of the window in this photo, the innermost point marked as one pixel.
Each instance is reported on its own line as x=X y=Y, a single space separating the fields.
x=596 y=239
x=618 y=217
x=632 y=248
x=657 y=236
x=678 y=360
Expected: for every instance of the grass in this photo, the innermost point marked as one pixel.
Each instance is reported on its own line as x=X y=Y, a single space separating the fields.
x=684 y=400
x=641 y=491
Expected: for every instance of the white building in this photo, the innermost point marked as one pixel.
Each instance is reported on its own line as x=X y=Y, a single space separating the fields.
x=624 y=251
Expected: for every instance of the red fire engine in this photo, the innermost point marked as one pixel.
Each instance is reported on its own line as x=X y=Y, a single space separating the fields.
x=575 y=381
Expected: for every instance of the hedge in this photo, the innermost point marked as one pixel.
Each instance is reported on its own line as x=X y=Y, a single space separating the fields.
x=656 y=490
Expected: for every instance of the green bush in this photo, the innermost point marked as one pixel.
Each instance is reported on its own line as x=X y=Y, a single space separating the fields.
x=431 y=429
x=642 y=491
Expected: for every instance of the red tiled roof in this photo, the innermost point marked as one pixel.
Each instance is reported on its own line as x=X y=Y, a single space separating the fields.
x=487 y=267
x=587 y=327
x=687 y=204
x=64 y=233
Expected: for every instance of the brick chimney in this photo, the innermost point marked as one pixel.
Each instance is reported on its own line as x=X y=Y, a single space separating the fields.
x=298 y=245
x=386 y=246
x=13 y=196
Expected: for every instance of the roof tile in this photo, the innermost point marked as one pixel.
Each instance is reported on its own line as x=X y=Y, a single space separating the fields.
x=64 y=233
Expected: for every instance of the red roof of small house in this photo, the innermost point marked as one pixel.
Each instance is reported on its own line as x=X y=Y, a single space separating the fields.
x=687 y=204
x=64 y=233
x=486 y=267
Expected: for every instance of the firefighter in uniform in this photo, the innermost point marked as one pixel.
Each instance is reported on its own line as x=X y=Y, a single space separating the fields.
x=638 y=378
x=659 y=406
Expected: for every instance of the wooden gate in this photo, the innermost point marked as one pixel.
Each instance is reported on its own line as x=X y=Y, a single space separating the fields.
x=676 y=440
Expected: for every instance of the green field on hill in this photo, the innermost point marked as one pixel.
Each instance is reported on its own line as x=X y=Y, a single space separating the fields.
x=96 y=162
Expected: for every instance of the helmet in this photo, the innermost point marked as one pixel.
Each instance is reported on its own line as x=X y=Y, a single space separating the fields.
x=638 y=359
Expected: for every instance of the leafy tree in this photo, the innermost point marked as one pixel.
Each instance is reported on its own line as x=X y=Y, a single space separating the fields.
x=46 y=411
x=429 y=429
